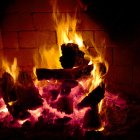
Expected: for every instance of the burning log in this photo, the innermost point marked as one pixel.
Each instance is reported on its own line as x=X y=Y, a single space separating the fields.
x=65 y=104
x=18 y=97
x=27 y=93
x=10 y=97
x=72 y=56
x=91 y=119
x=93 y=98
x=67 y=85
x=61 y=74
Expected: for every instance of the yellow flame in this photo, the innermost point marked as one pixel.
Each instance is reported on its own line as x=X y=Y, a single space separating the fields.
x=100 y=106
x=48 y=58
x=11 y=103
x=66 y=27
x=10 y=68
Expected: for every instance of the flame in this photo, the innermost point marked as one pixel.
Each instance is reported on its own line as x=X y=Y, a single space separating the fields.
x=12 y=69
x=48 y=58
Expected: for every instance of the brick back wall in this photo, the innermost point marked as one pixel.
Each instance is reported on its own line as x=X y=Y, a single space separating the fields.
x=26 y=25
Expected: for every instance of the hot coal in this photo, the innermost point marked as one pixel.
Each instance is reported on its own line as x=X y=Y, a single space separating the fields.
x=61 y=74
x=54 y=94
x=71 y=56
x=93 y=98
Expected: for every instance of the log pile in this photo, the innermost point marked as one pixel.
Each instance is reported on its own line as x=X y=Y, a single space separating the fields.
x=22 y=95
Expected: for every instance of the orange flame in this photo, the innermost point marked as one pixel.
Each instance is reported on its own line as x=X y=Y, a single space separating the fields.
x=10 y=68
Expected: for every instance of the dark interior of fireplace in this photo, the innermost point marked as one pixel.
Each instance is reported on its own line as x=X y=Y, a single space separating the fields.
x=120 y=20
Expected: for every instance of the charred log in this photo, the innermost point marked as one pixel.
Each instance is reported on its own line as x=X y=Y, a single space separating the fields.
x=63 y=120
x=92 y=119
x=65 y=104
x=25 y=79
x=27 y=94
x=61 y=74
x=93 y=98
x=7 y=86
x=67 y=85
x=71 y=56
x=10 y=97
x=18 y=97
x=28 y=97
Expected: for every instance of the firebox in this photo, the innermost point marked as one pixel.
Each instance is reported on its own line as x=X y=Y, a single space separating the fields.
x=67 y=71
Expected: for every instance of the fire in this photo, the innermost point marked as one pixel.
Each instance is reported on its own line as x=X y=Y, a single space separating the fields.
x=53 y=91
x=10 y=68
x=49 y=58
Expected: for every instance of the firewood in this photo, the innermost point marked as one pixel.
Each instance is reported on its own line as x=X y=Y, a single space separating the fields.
x=61 y=74
x=93 y=98
x=7 y=86
x=91 y=119
x=65 y=104
x=67 y=85
x=27 y=94
x=72 y=56
x=18 y=96
x=25 y=79
x=63 y=120
x=28 y=97
x=10 y=97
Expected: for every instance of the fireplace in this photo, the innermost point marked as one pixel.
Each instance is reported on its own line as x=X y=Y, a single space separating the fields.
x=63 y=104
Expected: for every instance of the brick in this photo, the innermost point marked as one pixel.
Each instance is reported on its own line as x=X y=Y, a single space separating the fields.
x=66 y=6
x=102 y=39
x=1 y=57
x=124 y=90
x=1 y=43
x=20 y=6
x=88 y=36
x=24 y=57
x=28 y=39
x=41 y=6
x=46 y=38
x=25 y=22
x=94 y=52
x=88 y=23
x=136 y=56
x=17 y=22
x=108 y=56
x=10 y=40
x=44 y=21
x=136 y=75
x=122 y=56
x=28 y=54
x=36 y=39
x=10 y=22
x=119 y=75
